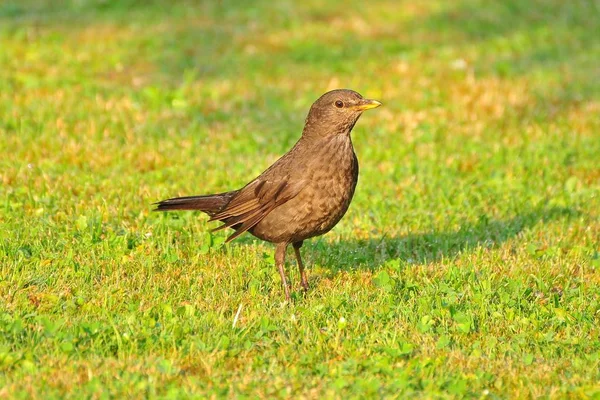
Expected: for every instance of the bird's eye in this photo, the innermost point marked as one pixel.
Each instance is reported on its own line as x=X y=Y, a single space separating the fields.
x=339 y=104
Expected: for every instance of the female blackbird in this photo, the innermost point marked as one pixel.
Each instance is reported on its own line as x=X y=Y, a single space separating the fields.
x=304 y=193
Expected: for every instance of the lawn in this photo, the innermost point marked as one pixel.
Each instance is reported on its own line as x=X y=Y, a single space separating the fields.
x=468 y=264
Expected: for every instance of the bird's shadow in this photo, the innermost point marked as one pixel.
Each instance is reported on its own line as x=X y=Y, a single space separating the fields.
x=434 y=246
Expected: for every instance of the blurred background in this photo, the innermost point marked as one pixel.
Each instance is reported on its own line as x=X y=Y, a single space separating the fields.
x=116 y=87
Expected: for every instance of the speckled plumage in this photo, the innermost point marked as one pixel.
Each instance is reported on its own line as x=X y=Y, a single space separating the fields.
x=303 y=194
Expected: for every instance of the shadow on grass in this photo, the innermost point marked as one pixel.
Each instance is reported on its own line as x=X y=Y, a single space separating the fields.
x=429 y=247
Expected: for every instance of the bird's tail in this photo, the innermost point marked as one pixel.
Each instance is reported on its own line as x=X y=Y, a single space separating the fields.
x=210 y=204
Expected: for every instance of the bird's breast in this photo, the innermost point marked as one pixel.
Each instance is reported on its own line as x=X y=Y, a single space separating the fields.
x=334 y=176
x=331 y=175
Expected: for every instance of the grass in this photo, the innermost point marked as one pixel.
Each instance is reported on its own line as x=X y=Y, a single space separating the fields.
x=467 y=265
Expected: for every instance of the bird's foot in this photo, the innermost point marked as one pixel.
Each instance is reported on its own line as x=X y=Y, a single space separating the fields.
x=287 y=293
x=305 y=286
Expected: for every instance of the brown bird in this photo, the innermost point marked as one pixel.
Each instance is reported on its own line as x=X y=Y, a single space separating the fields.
x=304 y=193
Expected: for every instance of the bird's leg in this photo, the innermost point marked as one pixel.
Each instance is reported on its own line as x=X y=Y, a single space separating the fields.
x=280 y=262
x=303 y=279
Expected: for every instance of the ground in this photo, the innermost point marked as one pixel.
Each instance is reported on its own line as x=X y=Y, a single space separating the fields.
x=468 y=264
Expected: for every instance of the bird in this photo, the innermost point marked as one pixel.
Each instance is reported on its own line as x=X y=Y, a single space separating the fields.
x=303 y=194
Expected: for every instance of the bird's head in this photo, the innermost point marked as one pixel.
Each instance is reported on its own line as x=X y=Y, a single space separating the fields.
x=336 y=112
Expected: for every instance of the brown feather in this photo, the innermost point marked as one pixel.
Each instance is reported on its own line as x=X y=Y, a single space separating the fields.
x=210 y=204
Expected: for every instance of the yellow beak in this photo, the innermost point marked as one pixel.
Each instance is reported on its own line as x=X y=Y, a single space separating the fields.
x=366 y=104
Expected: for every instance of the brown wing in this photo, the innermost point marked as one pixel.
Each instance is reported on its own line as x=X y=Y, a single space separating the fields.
x=254 y=202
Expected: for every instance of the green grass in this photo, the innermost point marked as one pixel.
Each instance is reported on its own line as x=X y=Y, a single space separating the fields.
x=467 y=266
